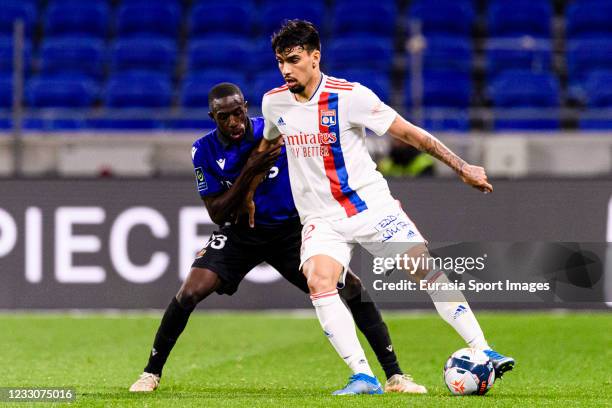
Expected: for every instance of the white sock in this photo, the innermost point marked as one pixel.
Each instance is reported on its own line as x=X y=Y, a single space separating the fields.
x=454 y=309
x=339 y=327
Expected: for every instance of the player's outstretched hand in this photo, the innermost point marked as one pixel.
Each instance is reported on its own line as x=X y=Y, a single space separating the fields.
x=261 y=162
x=476 y=177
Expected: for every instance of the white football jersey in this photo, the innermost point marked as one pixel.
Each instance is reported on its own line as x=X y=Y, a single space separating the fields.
x=331 y=171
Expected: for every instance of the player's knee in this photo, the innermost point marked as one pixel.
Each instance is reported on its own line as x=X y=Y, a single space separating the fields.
x=319 y=282
x=199 y=284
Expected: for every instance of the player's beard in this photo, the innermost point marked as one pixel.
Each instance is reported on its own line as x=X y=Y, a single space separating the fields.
x=297 y=89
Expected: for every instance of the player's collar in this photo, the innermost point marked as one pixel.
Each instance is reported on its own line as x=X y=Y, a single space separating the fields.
x=314 y=94
x=248 y=135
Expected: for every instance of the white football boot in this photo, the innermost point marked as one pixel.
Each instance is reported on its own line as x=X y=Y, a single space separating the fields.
x=404 y=383
x=147 y=382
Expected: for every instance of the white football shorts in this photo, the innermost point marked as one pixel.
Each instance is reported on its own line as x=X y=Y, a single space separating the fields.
x=384 y=231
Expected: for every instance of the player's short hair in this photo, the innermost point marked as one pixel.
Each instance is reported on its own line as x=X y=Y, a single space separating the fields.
x=296 y=33
x=221 y=91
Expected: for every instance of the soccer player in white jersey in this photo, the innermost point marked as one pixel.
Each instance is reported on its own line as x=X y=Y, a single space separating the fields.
x=343 y=200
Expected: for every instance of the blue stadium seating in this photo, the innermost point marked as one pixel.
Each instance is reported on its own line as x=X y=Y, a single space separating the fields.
x=72 y=91
x=6 y=90
x=11 y=10
x=526 y=89
x=588 y=18
x=155 y=54
x=520 y=17
x=195 y=87
x=90 y=17
x=442 y=89
x=262 y=58
x=377 y=81
x=73 y=55
x=132 y=119
x=138 y=90
x=522 y=91
x=364 y=18
x=599 y=90
x=261 y=83
x=598 y=112
x=443 y=16
x=273 y=14
x=6 y=54
x=211 y=18
x=359 y=52
x=447 y=53
x=143 y=17
x=446 y=120
x=583 y=56
x=518 y=53
x=218 y=52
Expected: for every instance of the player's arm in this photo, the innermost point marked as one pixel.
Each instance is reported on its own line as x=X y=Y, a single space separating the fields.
x=271 y=140
x=421 y=139
x=248 y=205
x=224 y=207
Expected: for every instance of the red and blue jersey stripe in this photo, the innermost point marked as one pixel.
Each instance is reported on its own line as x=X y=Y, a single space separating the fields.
x=335 y=168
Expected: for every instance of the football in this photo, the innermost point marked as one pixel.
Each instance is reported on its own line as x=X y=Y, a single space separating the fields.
x=469 y=372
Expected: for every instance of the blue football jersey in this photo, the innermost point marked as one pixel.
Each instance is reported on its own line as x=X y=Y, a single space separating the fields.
x=218 y=162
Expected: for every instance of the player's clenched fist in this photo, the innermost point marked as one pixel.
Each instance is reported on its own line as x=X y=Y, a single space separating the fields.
x=476 y=177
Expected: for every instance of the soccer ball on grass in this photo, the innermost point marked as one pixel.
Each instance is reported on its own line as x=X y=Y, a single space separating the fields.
x=469 y=372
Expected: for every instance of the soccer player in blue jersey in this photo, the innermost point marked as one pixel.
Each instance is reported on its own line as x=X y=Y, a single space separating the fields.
x=226 y=164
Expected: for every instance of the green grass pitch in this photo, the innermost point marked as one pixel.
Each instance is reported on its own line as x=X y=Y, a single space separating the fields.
x=264 y=360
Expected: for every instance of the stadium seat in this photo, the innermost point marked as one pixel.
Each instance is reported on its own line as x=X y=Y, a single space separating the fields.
x=520 y=88
x=519 y=17
x=588 y=54
x=213 y=18
x=262 y=82
x=273 y=14
x=583 y=56
x=598 y=112
x=6 y=55
x=446 y=120
x=588 y=18
x=447 y=53
x=518 y=53
x=218 y=52
x=6 y=90
x=77 y=17
x=364 y=52
x=12 y=10
x=443 y=16
x=364 y=18
x=195 y=87
x=74 y=91
x=517 y=95
x=262 y=58
x=377 y=81
x=138 y=90
x=143 y=17
x=73 y=55
x=442 y=89
x=153 y=54
x=133 y=119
